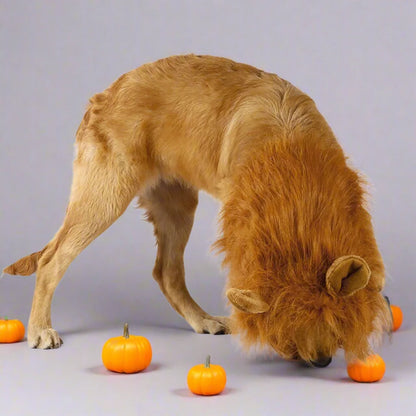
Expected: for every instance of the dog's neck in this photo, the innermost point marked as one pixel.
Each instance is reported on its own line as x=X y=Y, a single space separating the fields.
x=292 y=200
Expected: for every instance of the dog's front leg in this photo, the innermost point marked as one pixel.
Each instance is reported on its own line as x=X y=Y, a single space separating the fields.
x=171 y=208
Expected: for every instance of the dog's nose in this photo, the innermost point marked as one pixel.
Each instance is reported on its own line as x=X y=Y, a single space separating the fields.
x=322 y=362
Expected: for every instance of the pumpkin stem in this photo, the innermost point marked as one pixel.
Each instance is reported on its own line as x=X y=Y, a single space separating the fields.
x=126 y=331
x=208 y=361
x=6 y=318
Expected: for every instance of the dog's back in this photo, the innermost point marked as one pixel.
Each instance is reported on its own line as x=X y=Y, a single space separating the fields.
x=178 y=110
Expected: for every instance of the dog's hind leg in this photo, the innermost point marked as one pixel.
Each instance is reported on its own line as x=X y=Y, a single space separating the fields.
x=101 y=190
x=170 y=207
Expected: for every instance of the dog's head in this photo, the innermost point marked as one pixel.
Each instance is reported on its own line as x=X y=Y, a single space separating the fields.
x=305 y=272
x=310 y=319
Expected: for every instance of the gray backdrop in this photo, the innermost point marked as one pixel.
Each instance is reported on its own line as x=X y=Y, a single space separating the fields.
x=355 y=59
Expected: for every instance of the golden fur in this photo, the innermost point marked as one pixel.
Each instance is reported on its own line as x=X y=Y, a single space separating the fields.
x=291 y=205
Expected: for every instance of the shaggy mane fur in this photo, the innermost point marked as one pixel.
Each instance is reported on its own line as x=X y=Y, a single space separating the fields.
x=295 y=206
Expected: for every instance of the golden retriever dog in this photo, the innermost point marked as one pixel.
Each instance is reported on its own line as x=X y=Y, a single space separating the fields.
x=305 y=273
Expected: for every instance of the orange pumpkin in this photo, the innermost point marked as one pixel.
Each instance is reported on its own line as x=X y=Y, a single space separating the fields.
x=397 y=317
x=127 y=353
x=11 y=330
x=206 y=380
x=368 y=371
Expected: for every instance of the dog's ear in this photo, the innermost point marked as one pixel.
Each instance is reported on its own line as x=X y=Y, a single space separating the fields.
x=346 y=275
x=247 y=301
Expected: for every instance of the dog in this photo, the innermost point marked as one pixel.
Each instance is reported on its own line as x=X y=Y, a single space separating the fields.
x=305 y=273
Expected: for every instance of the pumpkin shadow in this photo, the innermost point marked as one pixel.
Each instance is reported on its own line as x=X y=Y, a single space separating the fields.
x=187 y=393
x=384 y=380
x=102 y=371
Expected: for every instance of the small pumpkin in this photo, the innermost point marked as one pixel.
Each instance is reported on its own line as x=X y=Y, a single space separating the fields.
x=127 y=353
x=368 y=371
x=397 y=317
x=206 y=380
x=11 y=330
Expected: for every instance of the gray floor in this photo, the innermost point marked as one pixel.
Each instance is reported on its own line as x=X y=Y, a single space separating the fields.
x=73 y=381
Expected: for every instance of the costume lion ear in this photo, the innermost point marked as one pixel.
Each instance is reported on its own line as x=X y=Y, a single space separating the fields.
x=247 y=301
x=347 y=275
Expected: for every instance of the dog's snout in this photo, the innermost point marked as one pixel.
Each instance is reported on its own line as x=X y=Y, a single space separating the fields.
x=321 y=362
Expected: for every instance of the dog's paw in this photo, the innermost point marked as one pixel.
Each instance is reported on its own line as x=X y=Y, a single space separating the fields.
x=46 y=338
x=217 y=325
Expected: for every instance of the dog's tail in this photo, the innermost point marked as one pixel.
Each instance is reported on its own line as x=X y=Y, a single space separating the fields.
x=25 y=266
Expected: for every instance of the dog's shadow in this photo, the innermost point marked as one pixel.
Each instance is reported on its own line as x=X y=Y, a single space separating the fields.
x=88 y=329
x=111 y=325
x=279 y=368
x=335 y=372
